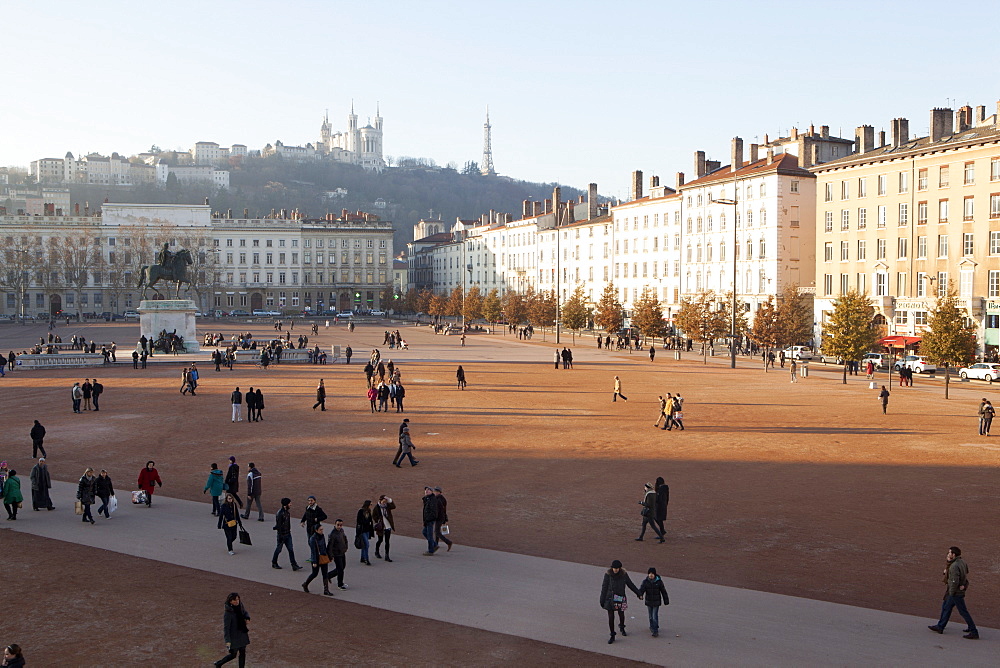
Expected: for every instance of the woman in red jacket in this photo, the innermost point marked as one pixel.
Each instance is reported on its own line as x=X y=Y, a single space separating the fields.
x=148 y=479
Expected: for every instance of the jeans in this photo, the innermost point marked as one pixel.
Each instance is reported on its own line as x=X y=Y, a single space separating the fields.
x=341 y=563
x=386 y=535
x=364 y=549
x=103 y=510
x=951 y=602
x=316 y=569
x=284 y=542
x=97 y=405
x=428 y=533
x=654 y=618
x=230 y=536
x=260 y=508
x=87 y=515
x=241 y=651
x=36 y=445
x=76 y=405
x=216 y=506
x=413 y=462
x=238 y=412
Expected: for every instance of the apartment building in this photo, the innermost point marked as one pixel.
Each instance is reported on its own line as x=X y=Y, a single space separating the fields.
x=905 y=219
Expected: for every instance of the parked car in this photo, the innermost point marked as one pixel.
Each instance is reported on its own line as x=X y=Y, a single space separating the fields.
x=917 y=363
x=343 y=315
x=798 y=353
x=130 y=315
x=108 y=315
x=239 y=313
x=377 y=314
x=981 y=371
x=880 y=360
x=830 y=359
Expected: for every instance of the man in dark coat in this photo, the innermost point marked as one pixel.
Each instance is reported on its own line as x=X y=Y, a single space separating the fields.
x=662 y=499
x=37 y=436
x=312 y=517
x=41 y=482
x=442 y=518
x=233 y=480
x=97 y=389
x=430 y=515
x=283 y=525
x=336 y=549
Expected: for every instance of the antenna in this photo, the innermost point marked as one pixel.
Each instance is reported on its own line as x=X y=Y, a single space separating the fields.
x=486 y=169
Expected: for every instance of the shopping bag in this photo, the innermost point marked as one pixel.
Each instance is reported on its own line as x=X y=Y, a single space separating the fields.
x=445 y=530
x=113 y=504
x=139 y=496
x=244 y=537
x=79 y=508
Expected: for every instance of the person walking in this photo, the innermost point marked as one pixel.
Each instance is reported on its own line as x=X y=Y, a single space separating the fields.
x=406 y=449
x=319 y=560
x=654 y=594
x=312 y=517
x=259 y=404
x=986 y=415
x=320 y=395
x=384 y=524
x=215 y=485
x=652 y=352
x=185 y=380
x=792 y=369
x=618 y=390
x=41 y=483
x=336 y=549
x=12 y=497
x=229 y=520
x=149 y=478
x=460 y=376
x=442 y=520
x=76 y=394
x=676 y=413
x=400 y=394
x=283 y=527
x=96 y=391
x=236 y=398
x=663 y=413
x=13 y=656
x=348 y=353
x=648 y=504
x=430 y=515
x=870 y=370
x=613 y=596
x=104 y=489
x=364 y=529
x=233 y=479
x=235 y=631
x=662 y=500
x=37 y=438
x=254 y=490
x=956 y=576
x=883 y=398
x=85 y=493
x=193 y=376
x=383 y=397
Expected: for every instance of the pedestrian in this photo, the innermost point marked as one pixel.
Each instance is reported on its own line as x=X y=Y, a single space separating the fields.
x=135 y=359
x=883 y=397
x=142 y=359
x=336 y=549
x=406 y=449
x=618 y=390
x=676 y=414
x=654 y=594
x=663 y=413
x=229 y=520
x=441 y=528
x=383 y=397
x=662 y=500
x=372 y=396
x=364 y=530
x=319 y=560
x=250 y=399
x=185 y=380
x=652 y=352
x=792 y=368
x=85 y=493
x=347 y=352
x=13 y=657
x=88 y=391
x=557 y=357
x=12 y=497
x=986 y=415
x=215 y=485
x=37 y=438
x=149 y=477
x=460 y=375
x=235 y=631
x=254 y=490
x=193 y=376
x=283 y=527
x=97 y=390
x=41 y=483
x=384 y=524
x=613 y=596
x=104 y=489
x=869 y=370
x=400 y=394
x=312 y=517
x=236 y=398
x=430 y=515
x=233 y=478
x=956 y=576
x=76 y=394
x=320 y=395
x=648 y=512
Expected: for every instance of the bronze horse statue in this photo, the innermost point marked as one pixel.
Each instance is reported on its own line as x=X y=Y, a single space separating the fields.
x=176 y=271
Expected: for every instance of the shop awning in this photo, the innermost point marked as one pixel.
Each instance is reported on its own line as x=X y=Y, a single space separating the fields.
x=899 y=341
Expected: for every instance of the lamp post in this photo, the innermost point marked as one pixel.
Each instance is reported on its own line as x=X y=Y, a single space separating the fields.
x=23 y=281
x=732 y=315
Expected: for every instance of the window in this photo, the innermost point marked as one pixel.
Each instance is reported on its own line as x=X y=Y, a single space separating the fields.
x=942 y=283
x=281 y=243
x=920 y=318
x=689 y=226
x=994 y=243
x=921 y=247
x=763 y=190
x=268 y=243
x=827 y=284
x=828 y=195
x=862 y=219
x=921 y=213
x=881 y=184
x=881 y=216
x=902 y=248
x=904 y=182
x=968 y=245
x=921 y=284
x=943 y=176
x=881 y=284
x=993 y=286
x=995 y=205
x=845 y=190
x=968 y=209
x=904 y=214
x=749 y=218
x=845 y=220
x=943 y=211
x=969 y=173
x=699 y=223
x=922 y=179
x=229 y=243
x=270 y=258
x=965 y=284
x=722 y=222
x=845 y=251
x=845 y=283
x=942 y=245
x=862 y=283
x=761 y=250
x=880 y=250
x=862 y=249
x=862 y=187
x=794 y=187
x=828 y=221
x=709 y=224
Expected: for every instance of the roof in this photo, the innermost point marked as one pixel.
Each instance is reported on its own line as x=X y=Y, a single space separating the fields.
x=435 y=238
x=785 y=163
x=979 y=135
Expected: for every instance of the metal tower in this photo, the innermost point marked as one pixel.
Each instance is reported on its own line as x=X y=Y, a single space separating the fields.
x=486 y=168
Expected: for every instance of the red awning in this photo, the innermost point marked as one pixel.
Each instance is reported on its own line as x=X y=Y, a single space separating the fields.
x=899 y=341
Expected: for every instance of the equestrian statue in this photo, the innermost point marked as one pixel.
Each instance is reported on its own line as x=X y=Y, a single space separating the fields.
x=172 y=267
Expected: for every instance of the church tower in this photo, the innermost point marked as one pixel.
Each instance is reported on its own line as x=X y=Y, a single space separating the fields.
x=352 y=131
x=325 y=130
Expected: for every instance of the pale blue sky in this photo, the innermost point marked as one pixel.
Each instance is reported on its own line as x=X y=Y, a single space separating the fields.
x=578 y=91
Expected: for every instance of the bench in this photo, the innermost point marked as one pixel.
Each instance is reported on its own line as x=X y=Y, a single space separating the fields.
x=59 y=361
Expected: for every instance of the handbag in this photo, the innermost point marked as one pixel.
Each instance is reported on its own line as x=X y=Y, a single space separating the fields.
x=445 y=530
x=244 y=536
x=231 y=523
x=358 y=542
x=324 y=559
x=79 y=507
x=618 y=602
x=139 y=496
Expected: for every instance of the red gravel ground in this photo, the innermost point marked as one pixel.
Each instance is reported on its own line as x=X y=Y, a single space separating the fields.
x=802 y=489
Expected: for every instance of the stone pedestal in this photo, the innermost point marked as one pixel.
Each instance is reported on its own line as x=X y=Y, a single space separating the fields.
x=170 y=315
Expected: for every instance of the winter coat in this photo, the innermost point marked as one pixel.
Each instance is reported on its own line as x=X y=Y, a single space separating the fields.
x=365 y=525
x=234 y=626
x=40 y=478
x=337 y=545
x=430 y=508
x=615 y=584
x=317 y=546
x=405 y=444
x=215 y=484
x=383 y=518
x=37 y=432
x=253 y=482
x=400 y=392
x=283 y=522
x=649 y=504
x=103 y=487
x=372 y=394
x=312 y=517
x=653 y=592
x=442 y=509
x=958 y=576
x=662 y=499
x=233 y=477
x=85 y=489
x=12 y=490
x=320 y=393
x=236 y=397
x=227 y=513
x=148 y=479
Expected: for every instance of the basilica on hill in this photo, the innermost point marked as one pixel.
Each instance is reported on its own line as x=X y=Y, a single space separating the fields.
x=358 y=145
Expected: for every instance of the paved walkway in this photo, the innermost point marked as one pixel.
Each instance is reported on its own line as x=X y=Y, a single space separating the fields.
x=543 y=599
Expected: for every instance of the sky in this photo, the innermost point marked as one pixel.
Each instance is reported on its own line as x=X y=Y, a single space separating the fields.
x=578 y=92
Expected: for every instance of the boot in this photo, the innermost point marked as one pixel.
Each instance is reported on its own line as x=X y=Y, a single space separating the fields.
x=327 y=592
x=612 y=638
x=621 y=627
x=378 y=555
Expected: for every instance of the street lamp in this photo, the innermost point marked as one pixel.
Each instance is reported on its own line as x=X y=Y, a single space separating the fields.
x=23 y=282
x=732 y=315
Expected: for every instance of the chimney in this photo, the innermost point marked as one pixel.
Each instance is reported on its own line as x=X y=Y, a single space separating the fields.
x=229 y=214
x=795 y=133
x=699 y=161
x=556 y=198
x=536 y=208
x=76 y=208
x=679 y=180
x=940 y=123
x=805 y=148
x=812 y=129
x=980 y=117
x=736 y=154
x=581 y=199
x=654 y=181
x=824 y=131
x=570 y=214
x=754 y=153
x=770 y=154
x=636 y=189
x=864 y=138
x=815 y=154
x=548 y=206
x=592 y=201
x=526 y=209
x=712 y=165
x=963 y=118
x=881 y=138
x=900 y=131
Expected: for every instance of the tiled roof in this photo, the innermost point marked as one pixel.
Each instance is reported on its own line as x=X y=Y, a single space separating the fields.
x=435 y=238
x=785 y=163
x=983 y=134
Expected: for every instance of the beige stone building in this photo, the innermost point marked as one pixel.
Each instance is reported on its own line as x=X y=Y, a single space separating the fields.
x=905 y=218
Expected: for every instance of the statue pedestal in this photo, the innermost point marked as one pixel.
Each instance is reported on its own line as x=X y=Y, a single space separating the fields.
x=170 y=315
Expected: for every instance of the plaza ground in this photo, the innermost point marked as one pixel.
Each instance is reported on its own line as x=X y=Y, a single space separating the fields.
x=802 y=489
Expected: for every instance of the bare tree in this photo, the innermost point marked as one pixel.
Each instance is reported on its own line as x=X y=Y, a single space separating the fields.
x=17 y=265
x=78 y=257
